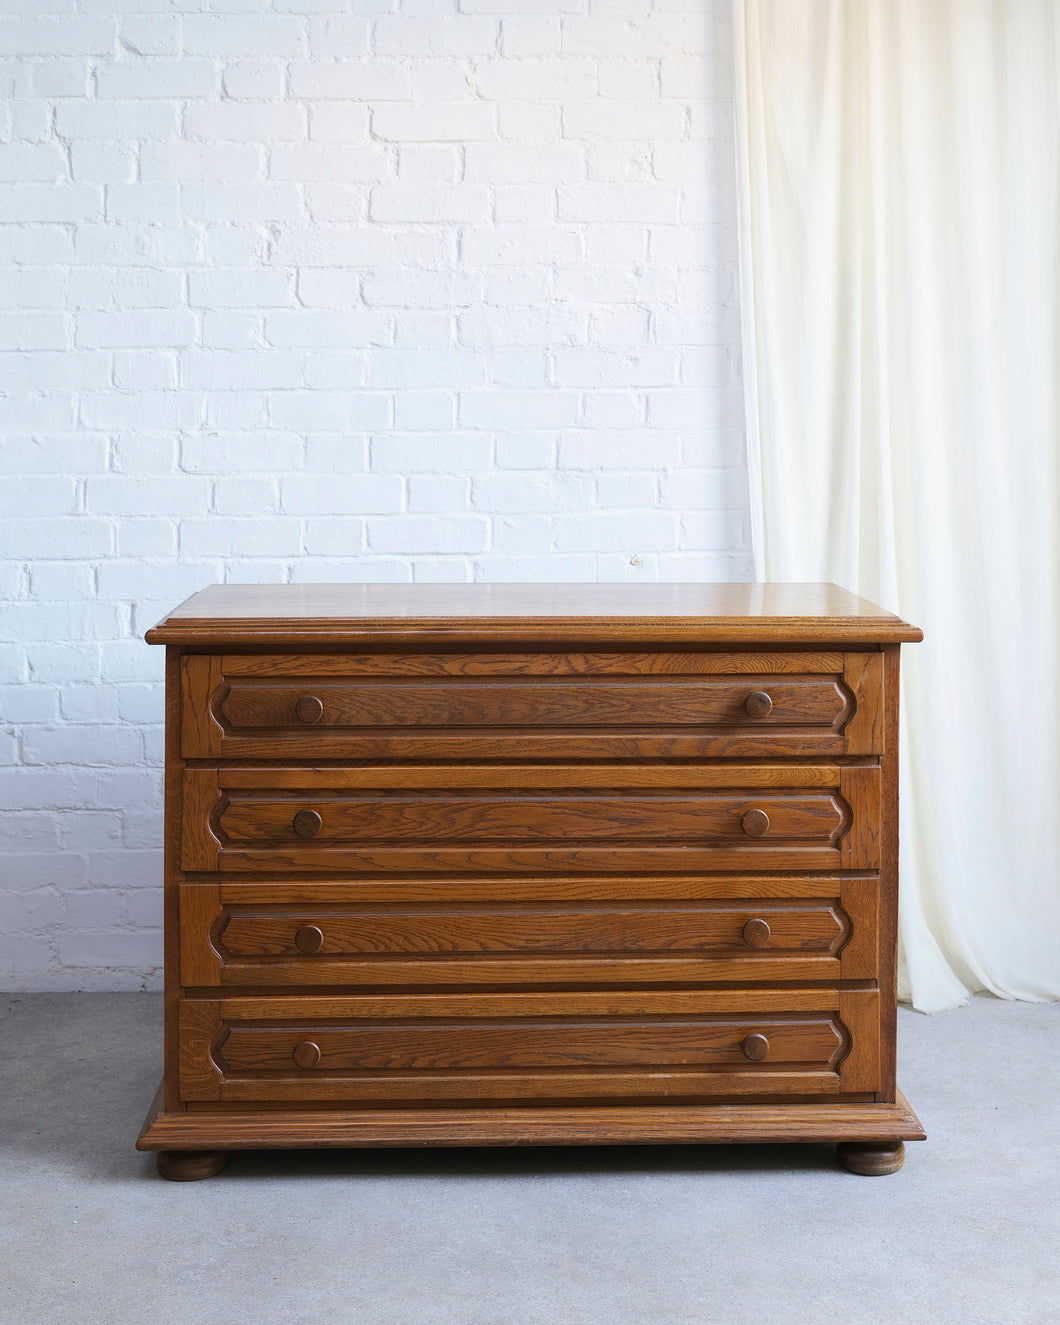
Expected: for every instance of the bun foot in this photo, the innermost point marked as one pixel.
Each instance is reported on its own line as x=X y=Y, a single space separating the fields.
x=872 y=1158
x=189 y=1165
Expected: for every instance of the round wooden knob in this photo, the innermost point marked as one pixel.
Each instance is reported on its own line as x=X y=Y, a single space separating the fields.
x=755 y=823
x=758 y=704
x=755 y=933
x=307 y=823
x=755 y=1047
x=311 y=939
x=307 y=1054
x=309 y=709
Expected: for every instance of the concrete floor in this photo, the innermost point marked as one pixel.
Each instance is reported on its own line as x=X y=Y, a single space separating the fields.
x=968 y=1233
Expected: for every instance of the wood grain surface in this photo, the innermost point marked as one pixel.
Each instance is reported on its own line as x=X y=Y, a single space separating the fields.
x=655 y=1124
x=510 y=1047
x=632 y=818
x=301 y=614
x=522 y=943
x=464 y=706
x=532 y=864
x=665 y=1042
x=633 y=927
x=349 y=663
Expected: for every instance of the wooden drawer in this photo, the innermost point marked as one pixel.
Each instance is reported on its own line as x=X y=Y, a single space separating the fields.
x=542 y=1048
x=575 y=817
x=528 y=932
x=531 y=706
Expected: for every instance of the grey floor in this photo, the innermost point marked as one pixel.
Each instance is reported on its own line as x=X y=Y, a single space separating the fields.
x=968 y=1231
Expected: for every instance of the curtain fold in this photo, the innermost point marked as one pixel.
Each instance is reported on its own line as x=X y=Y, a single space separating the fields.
x=898 y=172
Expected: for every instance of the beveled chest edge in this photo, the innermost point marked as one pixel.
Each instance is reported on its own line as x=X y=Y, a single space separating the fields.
x=580 y=1125
x=714 y=615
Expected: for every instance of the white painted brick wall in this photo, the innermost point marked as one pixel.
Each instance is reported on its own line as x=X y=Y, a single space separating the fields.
x=330 y=289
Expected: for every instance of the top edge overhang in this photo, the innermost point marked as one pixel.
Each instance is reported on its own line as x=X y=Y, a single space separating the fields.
x=753 y=614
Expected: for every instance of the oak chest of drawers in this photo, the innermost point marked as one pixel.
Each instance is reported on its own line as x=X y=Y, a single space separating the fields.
x=473 y=864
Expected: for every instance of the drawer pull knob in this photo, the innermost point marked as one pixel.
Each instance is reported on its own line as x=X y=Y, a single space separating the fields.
x=307 y=1054
x=309 y=709
x=755 y=933
x=758 y=704
x=307 y=823
x=755 y=1047
x=755 y=823
x=310 y=939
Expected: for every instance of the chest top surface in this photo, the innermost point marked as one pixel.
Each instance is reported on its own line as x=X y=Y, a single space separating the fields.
x=737 y=613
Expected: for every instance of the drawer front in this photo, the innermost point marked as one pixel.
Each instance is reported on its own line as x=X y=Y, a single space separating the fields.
x=550 y=817
x=544 y=1048
x=346 y=935
x=531 y=706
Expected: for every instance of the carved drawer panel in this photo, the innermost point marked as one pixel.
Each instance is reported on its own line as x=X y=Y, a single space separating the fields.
x=335 y=935
x=497 y=1048
x=531 y=705
x=613 y=818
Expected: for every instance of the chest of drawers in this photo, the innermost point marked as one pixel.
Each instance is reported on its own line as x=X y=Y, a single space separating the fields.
x=472 y=864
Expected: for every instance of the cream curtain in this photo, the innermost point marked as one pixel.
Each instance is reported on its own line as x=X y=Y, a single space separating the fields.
x=899 y=168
